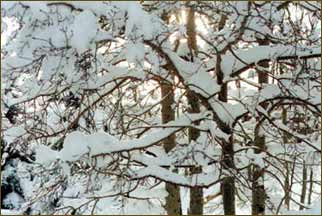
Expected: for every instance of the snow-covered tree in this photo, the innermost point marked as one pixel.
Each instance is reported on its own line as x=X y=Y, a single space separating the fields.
x=129 y=107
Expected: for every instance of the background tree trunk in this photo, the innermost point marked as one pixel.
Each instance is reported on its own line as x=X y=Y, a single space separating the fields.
x=311 y=187
x=228 y=182
x=196 y=194
x=173 y=202
x=258 y=188
x=304 y=186
x=287 y=186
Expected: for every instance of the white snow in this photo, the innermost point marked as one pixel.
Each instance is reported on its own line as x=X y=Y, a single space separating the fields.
x=13 y=200
x=45 y=155
x=195 y=75
x=315 y=209
x=231 y=64
x=10 y=212
x=41 y=50
x=84 y=29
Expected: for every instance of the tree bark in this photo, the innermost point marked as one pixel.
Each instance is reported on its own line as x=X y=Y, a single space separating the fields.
x=173 y=202
x=258 y=188
x=287 y=187
x=228 y=183
x=311 y=187
x=304 y=185
x=196 y=194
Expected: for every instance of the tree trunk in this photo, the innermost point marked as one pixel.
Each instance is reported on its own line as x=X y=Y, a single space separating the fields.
x=173 y=202
x=287 y=187
x=196 y=193
x=258 y=188
x=311 y=187
x=304 y=183
x=228 y=183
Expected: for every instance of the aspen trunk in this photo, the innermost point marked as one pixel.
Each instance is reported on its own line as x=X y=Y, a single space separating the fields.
x=173 y=202
x=258 y=188
x=228 y=183
x=304 y=185
x=287 y=187
x=196 y=194
x=311 y=187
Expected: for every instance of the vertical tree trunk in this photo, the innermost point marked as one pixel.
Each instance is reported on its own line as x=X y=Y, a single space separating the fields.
x=311 y=187
x=304 y=185
x=196 y=194
x=286 y=136
x=228 y=182
x=173 y=202
x=258 y=188
x=287 y=187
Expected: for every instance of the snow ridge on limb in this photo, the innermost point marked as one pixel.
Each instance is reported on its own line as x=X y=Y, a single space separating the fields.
x=77 y=144
x=201 y=180
x=233 y=65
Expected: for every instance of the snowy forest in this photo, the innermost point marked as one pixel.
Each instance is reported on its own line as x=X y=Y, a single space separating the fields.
x=161 y=107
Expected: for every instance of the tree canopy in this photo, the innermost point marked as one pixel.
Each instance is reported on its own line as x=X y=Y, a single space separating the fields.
x=112 y=107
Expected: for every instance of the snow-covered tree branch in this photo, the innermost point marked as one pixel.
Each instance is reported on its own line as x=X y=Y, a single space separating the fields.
x=161 y=107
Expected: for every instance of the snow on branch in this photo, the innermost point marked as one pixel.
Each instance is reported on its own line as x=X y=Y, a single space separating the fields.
x=249 y=58
x=77 y=144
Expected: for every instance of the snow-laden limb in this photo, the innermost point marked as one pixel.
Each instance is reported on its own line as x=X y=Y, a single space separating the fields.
x=202 y=179
x=236 y=62
x=76 y=69
x=14 y=133
x=45 y=155
x=194 y=75
x=182 y=157
x=156 y=135
x=215 y=131
x=225 y=111
x=114 y=74
x=77 y=144
x=84 y=21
